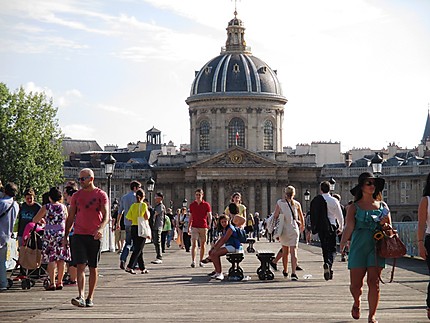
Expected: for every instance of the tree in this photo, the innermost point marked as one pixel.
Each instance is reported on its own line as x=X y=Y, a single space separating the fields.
x=30 y=140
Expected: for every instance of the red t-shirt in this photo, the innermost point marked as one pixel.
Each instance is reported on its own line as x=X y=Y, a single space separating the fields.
x=200 y=214
x=88 y=210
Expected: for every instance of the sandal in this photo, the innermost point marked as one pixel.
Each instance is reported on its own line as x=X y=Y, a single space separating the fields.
x=373 y=320
x=59 y=287
x=206 y=260
x=355 y=312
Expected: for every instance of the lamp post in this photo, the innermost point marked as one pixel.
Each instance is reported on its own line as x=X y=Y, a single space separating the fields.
x=376 y=163
x=109 y=169
x=307 y=195
x=332 y=184
x=150 y=188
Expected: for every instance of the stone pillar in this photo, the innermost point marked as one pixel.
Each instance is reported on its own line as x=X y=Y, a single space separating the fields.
x=251 y=198
x=208 y=193
x=221 y=205
x=264 y=208
x=273 y=196
x=188 y=194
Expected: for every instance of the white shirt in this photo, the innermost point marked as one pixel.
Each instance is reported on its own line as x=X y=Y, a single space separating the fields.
x=334 y=212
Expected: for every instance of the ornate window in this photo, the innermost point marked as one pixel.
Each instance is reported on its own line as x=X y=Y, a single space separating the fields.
x=268 y=135
x=236 y=133
x=204 y=135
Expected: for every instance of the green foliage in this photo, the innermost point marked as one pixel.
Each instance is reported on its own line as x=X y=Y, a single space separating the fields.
x=30 y=140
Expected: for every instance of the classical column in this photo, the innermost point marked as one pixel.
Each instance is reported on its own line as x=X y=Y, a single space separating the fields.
x=189 y=194
x=264 y=208
x=251 y=198
x=221 y=206
x=273 y=196
x=208 y=193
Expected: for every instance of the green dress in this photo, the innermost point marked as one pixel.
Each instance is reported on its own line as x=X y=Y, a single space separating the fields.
x=362 y=247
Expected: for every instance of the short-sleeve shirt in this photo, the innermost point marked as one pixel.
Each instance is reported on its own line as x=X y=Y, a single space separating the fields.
x=199 y=213
x=88 y=210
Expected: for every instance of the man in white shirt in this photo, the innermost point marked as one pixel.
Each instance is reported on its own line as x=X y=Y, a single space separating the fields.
x=327 y=233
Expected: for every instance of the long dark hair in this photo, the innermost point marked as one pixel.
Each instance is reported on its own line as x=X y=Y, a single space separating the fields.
x=219 y=227
x=426 y=191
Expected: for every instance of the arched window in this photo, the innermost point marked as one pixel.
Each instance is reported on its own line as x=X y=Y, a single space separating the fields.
x=236 y=133
x=268 y=135
x=204 y=135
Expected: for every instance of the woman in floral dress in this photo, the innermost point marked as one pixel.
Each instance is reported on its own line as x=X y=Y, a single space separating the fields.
x=53 y=251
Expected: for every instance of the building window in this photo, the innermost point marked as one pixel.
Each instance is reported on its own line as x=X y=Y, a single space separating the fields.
x=268 y=135
x=405 y=188
x=236 y=133
x=204 y=135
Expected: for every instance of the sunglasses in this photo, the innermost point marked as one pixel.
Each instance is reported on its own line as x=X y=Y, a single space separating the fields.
x=82 y=179
x=369 y=183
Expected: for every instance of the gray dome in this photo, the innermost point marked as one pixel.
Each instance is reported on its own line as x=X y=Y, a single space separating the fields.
x=236 y=72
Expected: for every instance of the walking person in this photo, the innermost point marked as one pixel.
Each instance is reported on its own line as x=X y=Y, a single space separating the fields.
x=200 y=218
x=136 y=210
x=364 y=218
x=8 y=212
x=186 y=237
x=179 y=227
x=257 y=224
x=89 y=212
x=167 y=227
x=291 y=223
x=159 y=212
x=239 y=219
x=54 y=251
x=124 y=205
x=327 y=221
x=71 y=265
x=423 y=233
x=27 y=212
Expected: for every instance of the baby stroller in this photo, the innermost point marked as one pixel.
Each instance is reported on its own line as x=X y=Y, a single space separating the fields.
x=30 y=259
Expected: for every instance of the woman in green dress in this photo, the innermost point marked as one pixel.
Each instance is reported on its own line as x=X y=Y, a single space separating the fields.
x=364 y=218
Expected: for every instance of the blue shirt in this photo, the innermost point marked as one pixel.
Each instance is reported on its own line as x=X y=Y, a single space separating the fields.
x=124 y=205
x=7 y=221
x=234 y=238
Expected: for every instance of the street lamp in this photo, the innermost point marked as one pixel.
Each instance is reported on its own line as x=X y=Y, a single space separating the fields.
x=184 y=203
x=307 y=195
x=150 y=188
x=376 y=163
x=332 y=184
x=109 y=169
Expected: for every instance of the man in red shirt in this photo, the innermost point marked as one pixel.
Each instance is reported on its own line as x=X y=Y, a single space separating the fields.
x=89 y=214
x=200 y=217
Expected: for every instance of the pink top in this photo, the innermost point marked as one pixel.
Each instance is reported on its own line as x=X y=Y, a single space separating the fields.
x=88 y=210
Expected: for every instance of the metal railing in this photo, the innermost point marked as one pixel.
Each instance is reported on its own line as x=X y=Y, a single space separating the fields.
x=407 y=232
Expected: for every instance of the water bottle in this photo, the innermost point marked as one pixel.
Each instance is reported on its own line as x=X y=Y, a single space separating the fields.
x=307 y=276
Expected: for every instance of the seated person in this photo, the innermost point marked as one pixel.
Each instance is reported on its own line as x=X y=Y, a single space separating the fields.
x=228 y=243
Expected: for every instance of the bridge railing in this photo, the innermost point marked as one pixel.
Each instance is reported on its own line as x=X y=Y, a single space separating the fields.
x=407 y=232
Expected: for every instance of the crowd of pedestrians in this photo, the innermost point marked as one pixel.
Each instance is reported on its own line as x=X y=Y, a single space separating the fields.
x=74 y=220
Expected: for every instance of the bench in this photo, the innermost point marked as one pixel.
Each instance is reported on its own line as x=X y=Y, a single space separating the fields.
x=235 y=273
x=265 y=257
x=250 y=247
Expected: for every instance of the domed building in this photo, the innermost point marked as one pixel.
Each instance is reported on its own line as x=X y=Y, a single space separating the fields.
x=236 y=100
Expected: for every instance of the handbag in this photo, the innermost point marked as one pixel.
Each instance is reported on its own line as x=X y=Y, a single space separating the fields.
x=389 y=245
x=143 y=227
x=30 y=258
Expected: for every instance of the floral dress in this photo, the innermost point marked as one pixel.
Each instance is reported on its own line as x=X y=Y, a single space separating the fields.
x=52 y=248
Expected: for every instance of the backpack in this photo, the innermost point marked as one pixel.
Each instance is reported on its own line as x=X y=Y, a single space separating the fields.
x=241 y=235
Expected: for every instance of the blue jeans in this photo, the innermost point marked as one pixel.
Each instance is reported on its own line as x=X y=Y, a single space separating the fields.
x=3 y=277
x=127 y=244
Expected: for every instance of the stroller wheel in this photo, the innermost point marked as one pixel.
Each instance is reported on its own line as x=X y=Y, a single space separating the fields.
x=25 y=284
x=46 y=283
x=9 y=283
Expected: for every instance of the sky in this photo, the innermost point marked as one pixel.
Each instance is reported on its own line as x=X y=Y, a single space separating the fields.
x=355 y=72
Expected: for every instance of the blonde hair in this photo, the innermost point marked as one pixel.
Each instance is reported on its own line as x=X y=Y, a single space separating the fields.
x=290 y=191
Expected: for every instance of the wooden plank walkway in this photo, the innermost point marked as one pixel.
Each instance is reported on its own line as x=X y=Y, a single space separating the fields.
x=173 y=291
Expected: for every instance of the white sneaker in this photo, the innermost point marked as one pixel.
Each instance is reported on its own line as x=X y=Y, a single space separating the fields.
x=193 y=264
x=157 y=261
x=201 y=264
x=219 y=276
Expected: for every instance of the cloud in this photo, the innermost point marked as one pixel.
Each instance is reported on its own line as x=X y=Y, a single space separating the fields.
x=118 y=110
x=78 y=131
x=32 y=87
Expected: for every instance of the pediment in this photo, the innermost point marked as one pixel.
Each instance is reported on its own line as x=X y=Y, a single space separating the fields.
x=236 y=157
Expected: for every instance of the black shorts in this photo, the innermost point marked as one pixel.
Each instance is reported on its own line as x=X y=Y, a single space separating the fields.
x=71 y=262
x=85 y=250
